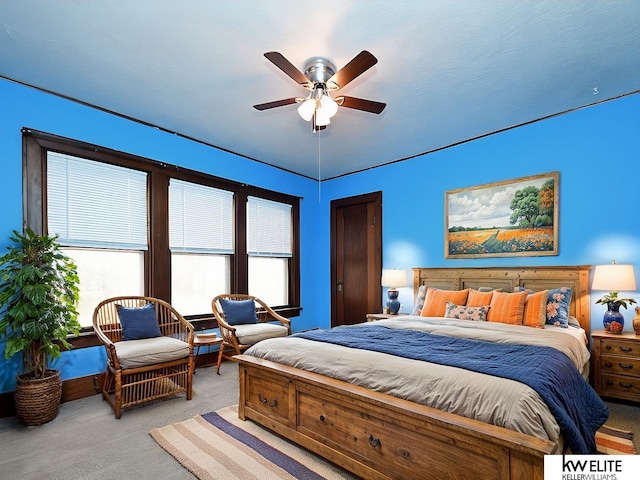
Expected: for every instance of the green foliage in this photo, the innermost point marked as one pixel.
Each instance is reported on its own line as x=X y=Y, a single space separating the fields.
x=533 y=207
x=38 y=300
x=612 y=297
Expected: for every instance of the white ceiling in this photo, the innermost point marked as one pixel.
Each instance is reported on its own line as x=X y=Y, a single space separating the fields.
x=448 y=70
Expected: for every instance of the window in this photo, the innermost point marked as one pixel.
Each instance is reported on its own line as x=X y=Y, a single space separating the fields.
x=201 y=242
x=99 y=212
x=138 y=226
x=269 y=248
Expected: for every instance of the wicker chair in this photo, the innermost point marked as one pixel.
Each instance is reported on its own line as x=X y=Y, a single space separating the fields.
x=144 y=370
x=238 y=337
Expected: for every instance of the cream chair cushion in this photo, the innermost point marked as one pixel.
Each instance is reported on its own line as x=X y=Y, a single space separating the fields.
x=149 y=351
x=251 y=333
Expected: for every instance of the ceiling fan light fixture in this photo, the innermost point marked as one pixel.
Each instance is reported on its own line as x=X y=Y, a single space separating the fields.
x=321 y=77
x=322 y=118
x=328 y=105
x=306 y=109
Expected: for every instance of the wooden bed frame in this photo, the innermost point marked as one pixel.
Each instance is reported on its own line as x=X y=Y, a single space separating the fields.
x=377 y=436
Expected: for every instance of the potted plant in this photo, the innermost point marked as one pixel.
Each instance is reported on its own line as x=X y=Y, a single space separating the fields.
x=38 y=300
x=614 y=320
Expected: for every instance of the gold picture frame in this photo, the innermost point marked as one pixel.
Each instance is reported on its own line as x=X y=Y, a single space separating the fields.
x=512 y=218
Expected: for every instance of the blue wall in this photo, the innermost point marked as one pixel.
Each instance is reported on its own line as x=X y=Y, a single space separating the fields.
x=596 y=150
x=26 y=107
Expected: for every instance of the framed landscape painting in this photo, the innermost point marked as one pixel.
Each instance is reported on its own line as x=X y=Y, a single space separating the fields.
x=516 y=217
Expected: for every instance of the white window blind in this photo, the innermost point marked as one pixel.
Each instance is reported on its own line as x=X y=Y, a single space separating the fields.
x=91 y=203
x=268 y=228
x=200 y=218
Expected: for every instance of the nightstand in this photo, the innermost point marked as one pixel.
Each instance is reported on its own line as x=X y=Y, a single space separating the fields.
x=616 y=365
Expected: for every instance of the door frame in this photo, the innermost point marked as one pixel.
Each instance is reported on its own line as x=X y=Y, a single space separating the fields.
x=376 y=199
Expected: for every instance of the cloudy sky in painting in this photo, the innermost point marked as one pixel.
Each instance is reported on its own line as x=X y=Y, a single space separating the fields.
x=485 y=207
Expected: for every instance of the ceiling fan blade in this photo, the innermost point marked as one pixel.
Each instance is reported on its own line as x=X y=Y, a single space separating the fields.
x=287 y=67
x=277 y=103
x=361 y=104
x=357 y=66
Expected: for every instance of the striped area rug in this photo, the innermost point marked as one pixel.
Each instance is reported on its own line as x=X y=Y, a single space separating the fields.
x=612 y=441
x=221 y=446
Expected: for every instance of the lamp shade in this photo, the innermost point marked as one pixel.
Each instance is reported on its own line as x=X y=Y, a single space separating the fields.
x=307 y=108
x=322 y=119
x=329 y=105
x=614 y=278
x=394 y=278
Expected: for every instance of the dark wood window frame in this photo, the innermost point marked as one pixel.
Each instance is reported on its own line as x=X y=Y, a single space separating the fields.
x=36 y=144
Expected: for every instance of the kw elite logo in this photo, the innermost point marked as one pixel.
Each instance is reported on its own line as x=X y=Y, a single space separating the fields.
x=588 y=469
x=591 y=467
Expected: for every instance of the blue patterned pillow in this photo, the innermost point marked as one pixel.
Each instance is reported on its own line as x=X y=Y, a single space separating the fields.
x=558 y=306
x=138 y=323
x=422 y=294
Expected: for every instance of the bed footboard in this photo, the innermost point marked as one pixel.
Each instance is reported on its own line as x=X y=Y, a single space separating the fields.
x=377 y=436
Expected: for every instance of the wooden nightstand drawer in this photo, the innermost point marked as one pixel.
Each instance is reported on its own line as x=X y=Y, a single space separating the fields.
x=613 y=385
x=620 y=365
x=616 y=365
x=617 y=347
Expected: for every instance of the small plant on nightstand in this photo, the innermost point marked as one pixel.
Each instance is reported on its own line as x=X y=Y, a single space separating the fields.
x=614 y=303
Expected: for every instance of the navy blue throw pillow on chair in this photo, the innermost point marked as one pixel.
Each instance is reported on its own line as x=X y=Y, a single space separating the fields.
x=239 y=312
x=138 y=323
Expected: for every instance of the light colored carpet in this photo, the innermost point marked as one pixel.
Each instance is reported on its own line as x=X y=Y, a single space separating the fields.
x=86 y=442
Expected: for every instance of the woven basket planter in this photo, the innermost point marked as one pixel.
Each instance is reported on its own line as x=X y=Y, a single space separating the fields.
x=38 y=400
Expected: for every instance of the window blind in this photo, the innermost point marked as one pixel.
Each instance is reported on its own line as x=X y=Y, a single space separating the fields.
x=268 y=228
x=200 y=218
x=96 y=204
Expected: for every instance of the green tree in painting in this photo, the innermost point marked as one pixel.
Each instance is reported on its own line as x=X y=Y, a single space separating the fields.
x=533 y=207
x=547 y=202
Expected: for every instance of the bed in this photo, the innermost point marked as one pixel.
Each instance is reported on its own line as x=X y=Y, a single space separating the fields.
x=355 y=407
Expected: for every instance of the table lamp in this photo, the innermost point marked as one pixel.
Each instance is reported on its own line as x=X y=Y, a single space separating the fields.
x=393 y=279
x=614 y=278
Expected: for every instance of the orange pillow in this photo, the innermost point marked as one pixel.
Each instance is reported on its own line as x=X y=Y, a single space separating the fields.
x=479 y=299
x=535 y=309
x=435 y=303
x=507 y=307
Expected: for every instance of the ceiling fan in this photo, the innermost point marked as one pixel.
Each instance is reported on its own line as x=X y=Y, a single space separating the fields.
x=321 y=77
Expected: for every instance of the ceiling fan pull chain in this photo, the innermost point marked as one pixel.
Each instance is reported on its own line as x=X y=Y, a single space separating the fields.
x=319 y=181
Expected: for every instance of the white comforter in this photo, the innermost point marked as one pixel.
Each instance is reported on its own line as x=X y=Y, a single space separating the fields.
x=494 y=400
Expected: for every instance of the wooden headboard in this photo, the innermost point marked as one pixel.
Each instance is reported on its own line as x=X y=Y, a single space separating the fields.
x=507 y=278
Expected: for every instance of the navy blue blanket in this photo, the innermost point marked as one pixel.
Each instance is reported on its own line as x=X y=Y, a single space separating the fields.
x=574 y=404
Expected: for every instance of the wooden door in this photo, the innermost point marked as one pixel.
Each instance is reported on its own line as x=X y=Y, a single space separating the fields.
x=356 y=258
